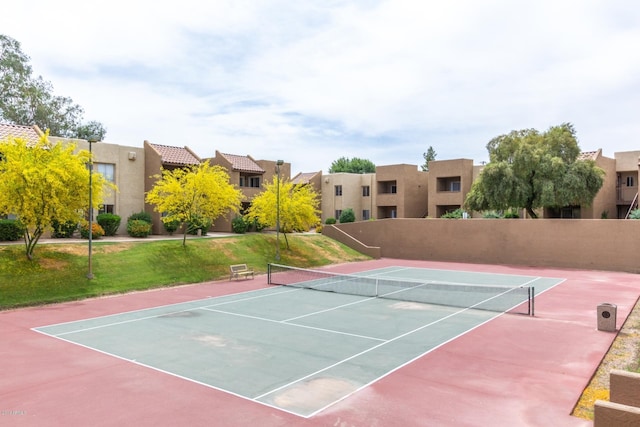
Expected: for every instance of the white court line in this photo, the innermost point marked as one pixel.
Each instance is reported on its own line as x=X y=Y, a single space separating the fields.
x=340 y=362
x=106 y=325
x=287 y=322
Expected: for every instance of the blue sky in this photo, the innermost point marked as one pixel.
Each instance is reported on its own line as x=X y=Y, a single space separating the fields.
x=312 y=81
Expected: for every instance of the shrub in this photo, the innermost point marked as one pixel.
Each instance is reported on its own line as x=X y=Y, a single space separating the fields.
x=171 y=226
x=511 y=214
x=198 y=223
x=635 y=214
x=347 y=215
x=491 y=214
x=330 y=221
x=11 y=230
x=97 y=233
x=142 y=216
x=109 y=222
x=457 y=214
x=257 y=226
x=319 y=229
x=239 y=225
x=138 y=228
x=64 y=230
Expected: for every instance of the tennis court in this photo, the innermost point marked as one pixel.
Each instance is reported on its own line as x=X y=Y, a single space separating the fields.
x=301 y=350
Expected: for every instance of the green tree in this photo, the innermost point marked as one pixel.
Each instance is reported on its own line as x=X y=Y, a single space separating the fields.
x=298 y=207
x=193 y=194
x=531 y=170
x=92 y=130
x=428 y=156
x=28 y=100
x=355 y=165
x=45 y=183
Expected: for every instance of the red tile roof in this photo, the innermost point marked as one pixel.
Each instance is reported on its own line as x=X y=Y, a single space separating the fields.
x=242 y=163
x=589 y=155
x=175 y=155
x=303 y=177
x=31 y=134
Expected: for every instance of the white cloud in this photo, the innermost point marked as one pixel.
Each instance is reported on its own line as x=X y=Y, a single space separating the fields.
x=310 y=82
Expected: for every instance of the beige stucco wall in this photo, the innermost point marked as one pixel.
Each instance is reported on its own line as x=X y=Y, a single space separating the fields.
x=441 y=169
x=604 y=204
x=352 y=197
x=129 y=170
x=583 y=243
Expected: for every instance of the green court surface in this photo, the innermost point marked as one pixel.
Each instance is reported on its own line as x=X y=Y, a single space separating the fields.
x=297 y=350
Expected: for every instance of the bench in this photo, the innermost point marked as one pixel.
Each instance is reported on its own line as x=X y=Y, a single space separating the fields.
x=239 y=271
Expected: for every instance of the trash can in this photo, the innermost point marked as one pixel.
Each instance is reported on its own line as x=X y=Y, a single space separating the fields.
x=607 y=317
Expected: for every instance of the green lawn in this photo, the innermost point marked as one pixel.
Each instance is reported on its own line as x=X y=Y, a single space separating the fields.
x=58 y=272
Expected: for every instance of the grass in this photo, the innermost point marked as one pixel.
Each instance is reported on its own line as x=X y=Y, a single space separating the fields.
x=58 y=272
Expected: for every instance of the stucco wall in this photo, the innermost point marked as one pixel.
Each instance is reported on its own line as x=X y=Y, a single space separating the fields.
x=586 y=244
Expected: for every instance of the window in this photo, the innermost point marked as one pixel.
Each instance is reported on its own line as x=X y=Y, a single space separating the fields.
x=106 y=170
x=242 y=181
x=366 y=214
x=105 y=209
x=629 y=181
x=449 y=184
x=365 y=191
x=254 y=182
x=338 y=213
x=338 y=190
x=394 y=190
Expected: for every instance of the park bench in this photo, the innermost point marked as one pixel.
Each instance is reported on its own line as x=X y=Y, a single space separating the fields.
x=239 y=271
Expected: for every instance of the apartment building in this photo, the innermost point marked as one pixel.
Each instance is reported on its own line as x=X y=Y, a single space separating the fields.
x=393 y=191
x=449 y=183
x=248 y=175
x=342 y=191
x=159 y=157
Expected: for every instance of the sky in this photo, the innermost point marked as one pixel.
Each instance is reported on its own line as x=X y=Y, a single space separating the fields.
x=311 y=81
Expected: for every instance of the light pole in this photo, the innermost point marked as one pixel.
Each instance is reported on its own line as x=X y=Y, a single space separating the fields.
x=91 y=141
x=278 y=164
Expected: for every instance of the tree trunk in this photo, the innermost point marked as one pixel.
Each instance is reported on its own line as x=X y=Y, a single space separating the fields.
x=31 y=240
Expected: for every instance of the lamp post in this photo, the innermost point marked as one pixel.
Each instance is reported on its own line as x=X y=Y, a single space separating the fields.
x=91 y=141
x=278 y=164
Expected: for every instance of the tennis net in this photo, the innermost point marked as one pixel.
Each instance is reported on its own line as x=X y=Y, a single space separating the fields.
x=515 y=299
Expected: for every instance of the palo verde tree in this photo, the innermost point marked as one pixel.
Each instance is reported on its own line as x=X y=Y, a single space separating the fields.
x=195 y=193
x=531 y=170
x=298 y=207
x=355 y=165
x=45 y=182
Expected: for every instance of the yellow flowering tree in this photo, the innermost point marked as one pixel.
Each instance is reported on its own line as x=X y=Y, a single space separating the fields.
x=194 y=193
x=43 y=183
x=298 y=207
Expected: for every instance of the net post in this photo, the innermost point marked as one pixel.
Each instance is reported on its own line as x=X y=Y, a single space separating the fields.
x=532 y=301
x=268 y=273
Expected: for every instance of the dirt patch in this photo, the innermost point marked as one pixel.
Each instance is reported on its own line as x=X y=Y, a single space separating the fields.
x=53 y=264
x=314 y=394
x=624 y=354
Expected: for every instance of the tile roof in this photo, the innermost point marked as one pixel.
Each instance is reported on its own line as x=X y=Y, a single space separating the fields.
x=303 y=177
x=588 y=155
x=242 y=163
x=175 y=155
x=31 y=134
